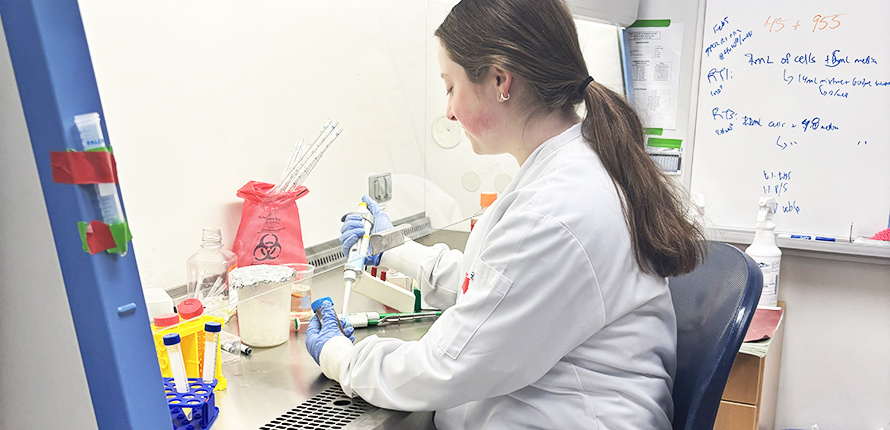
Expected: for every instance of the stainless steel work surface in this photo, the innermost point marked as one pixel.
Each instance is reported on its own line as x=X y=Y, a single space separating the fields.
x=274 y=381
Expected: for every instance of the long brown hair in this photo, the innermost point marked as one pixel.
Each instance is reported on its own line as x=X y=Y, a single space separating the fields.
x=537 y=41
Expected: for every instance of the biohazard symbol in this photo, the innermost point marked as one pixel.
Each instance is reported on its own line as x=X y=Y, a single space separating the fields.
x=268 y=248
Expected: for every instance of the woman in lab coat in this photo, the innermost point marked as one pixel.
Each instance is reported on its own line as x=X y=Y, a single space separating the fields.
x=558 y=313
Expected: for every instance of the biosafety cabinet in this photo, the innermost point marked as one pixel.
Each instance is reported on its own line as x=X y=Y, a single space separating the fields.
x=195 y=100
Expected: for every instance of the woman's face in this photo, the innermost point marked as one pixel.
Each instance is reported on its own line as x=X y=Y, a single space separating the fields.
x=475 y=106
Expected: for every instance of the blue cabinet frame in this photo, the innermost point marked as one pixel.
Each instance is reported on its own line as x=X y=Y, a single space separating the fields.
x=55 y=77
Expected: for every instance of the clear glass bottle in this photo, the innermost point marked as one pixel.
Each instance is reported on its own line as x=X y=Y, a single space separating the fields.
x=485 y=200
x=208 y=275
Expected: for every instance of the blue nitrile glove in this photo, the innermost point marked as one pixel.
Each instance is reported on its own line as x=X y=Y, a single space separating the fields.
x=318 y=334
x=352 y=229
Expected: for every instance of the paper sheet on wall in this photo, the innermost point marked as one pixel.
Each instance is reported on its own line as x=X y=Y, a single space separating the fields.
x=655 y=69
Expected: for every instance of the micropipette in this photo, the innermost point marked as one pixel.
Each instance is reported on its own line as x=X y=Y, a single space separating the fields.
x=366 y=319
x=355 y=261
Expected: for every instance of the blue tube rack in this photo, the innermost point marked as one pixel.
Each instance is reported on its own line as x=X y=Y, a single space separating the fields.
x=199 y=398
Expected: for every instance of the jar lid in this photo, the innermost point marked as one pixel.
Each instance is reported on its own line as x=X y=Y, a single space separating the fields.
x=317 y=304
x=213 y=327
x=190 y=308
x=166 y=320
x=171 y=339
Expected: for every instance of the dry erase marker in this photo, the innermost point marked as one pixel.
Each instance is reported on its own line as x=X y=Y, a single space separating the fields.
x=807 y=237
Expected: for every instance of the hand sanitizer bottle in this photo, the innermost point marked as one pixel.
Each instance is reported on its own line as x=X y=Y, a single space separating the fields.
x=765 y=252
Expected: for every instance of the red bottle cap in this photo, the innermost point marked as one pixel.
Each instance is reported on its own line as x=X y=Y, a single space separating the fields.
x=166 y=320
x=190 y=308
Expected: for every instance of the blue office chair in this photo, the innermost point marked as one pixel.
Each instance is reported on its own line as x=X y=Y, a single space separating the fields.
x=714 y=305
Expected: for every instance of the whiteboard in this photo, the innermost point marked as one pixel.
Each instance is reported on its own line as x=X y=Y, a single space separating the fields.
x=794 y=98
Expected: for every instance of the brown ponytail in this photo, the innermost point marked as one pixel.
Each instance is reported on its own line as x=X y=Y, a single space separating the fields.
x=662 y=236
x=537 y=41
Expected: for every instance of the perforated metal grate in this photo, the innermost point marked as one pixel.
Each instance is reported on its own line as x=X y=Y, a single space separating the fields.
x=327 y=410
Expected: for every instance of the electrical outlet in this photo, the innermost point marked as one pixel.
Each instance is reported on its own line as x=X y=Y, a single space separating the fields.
x=380 y=187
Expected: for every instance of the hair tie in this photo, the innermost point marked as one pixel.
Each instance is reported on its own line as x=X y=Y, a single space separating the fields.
x=584 y=84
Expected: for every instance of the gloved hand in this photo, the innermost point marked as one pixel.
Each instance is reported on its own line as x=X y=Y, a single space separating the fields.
x=352 y=229
x=318 y=334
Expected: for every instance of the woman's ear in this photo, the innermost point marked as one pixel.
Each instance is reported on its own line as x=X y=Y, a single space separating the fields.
x=503 y=81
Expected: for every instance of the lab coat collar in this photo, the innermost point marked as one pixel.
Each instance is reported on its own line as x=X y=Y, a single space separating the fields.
x=554 y=143
x=543 y=151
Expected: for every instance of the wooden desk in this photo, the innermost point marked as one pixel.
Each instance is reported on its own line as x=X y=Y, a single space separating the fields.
x=749 y=399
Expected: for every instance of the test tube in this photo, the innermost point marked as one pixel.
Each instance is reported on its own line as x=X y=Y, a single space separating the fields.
x=236 y=347
x=211 y=337
x=90 y=129
x=177 y=365
x=316 y=307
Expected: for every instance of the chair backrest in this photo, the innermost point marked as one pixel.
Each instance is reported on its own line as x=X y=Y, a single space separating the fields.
x=714 y=304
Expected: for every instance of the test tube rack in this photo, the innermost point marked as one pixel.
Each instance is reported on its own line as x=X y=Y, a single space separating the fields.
x=199 y=399
x=399 y=297
x=192 y=334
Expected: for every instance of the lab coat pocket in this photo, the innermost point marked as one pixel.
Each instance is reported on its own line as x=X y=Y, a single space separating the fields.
x=485 y=292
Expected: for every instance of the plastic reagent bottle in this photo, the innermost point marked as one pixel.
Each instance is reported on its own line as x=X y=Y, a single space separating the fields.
x=211 y=338
x=765 y=252
x=208 y=275
x=485 y=200
x=92 y=138
x=177 y=365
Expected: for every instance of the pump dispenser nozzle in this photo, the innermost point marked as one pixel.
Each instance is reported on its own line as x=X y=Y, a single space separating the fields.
x=767 y=208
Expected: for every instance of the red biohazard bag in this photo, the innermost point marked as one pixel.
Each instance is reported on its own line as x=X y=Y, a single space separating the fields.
x=269 y=232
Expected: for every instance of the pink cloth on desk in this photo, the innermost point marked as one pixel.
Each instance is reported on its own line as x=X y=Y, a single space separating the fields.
x=764 y=324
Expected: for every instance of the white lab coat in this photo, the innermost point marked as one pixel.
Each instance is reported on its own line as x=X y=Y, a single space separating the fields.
x=557 y=328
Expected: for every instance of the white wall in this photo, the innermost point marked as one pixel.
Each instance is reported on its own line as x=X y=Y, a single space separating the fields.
x=42 y=381
x=202 y=97
x=834 y=369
